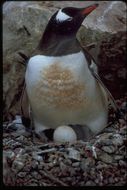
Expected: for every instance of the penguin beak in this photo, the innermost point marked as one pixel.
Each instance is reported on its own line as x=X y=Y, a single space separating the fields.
x=88 y=10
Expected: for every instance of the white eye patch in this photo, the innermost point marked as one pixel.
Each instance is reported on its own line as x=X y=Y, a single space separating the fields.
x=61 y=16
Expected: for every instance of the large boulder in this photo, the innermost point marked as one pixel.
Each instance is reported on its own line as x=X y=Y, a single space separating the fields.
x=24 y=23
x=106 y=32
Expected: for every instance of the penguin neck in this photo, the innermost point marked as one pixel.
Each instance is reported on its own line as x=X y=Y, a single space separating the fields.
x=59 y=45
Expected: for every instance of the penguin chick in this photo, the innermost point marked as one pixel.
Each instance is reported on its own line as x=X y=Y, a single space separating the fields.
x=60 y=85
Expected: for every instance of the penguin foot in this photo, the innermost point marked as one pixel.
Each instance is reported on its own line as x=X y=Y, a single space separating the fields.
x=41 y=136
x=45 y=136
x=88 y=134
x=83 y=132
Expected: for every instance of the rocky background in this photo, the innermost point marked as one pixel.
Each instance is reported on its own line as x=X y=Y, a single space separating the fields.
x=24 y=23
x=104 y=35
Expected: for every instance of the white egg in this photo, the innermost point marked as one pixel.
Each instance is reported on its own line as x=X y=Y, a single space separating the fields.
x=64 y=134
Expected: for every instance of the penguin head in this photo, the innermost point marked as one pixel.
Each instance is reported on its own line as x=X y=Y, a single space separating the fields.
x=64 y=24
x=68 y=20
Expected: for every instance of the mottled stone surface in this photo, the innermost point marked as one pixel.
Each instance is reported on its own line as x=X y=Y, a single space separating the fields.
x=98 y=162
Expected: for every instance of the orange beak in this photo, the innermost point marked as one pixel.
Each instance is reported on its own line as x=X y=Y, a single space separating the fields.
x=89 y=9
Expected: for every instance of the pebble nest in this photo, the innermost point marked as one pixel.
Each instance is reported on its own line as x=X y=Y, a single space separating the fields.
x=99 y=162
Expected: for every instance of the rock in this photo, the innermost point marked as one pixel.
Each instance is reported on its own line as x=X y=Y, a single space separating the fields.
x=21 y=174
x=63 y=167
x=37 y=157
x=68 y=161
x=33 y=184
x=8 y=174
x=74 y=154
x=76 y=164
x=112 y=56
x=104 y=157
x=101 y=20
x=117 y=140
x=21 y=138
x=16 y=123
x=111 y=180
x=23 y=24
x=17 y=165
x=124 y=106
x=87 y=163
x=104 y=139
x=20 y=160
x=108 y=37
x=34 y=164
x=90 y=183
x=118 y=157
x=36 y=175
x=109 y=149
x=11 y=143
x=122 y=163
x=86 y=171
x=9 y=154
x=101 y=165
x=27 y=168
x=20 y=153
x=123 y=130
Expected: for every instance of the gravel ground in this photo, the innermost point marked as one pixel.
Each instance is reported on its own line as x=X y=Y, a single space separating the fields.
x=99 y=162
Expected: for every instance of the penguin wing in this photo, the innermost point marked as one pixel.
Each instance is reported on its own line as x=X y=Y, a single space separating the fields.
x=94 y=70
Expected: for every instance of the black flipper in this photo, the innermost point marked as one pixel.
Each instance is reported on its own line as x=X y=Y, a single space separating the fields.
x=94 y=72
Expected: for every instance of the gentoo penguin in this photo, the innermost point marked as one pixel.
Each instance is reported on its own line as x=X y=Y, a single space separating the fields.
x=62 y=83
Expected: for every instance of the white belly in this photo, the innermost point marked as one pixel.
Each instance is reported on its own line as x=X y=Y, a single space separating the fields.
x=63 y=91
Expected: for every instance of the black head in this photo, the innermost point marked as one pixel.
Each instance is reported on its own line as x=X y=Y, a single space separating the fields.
x=63 y=27
x=68 y=20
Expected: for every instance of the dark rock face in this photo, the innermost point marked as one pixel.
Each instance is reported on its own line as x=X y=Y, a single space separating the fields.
x=23 y=24
x=112 y=64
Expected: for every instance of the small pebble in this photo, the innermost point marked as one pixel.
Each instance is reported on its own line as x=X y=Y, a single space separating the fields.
x=74 y=154
x=106 y=158
x=109 y=149
x=123 y=130
x=17 y=165
x=63 y=166
x=90 y=183
x=22 y=174
x=75 y=164
x=36 y=175
x=87 y=163
x=37 y=157
x=110 y=180
x=9 y=154
x=118 y=157
x=117 y=140
x=21 y=138
x=101 y=165
x=122 y=163
x=34 y=164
